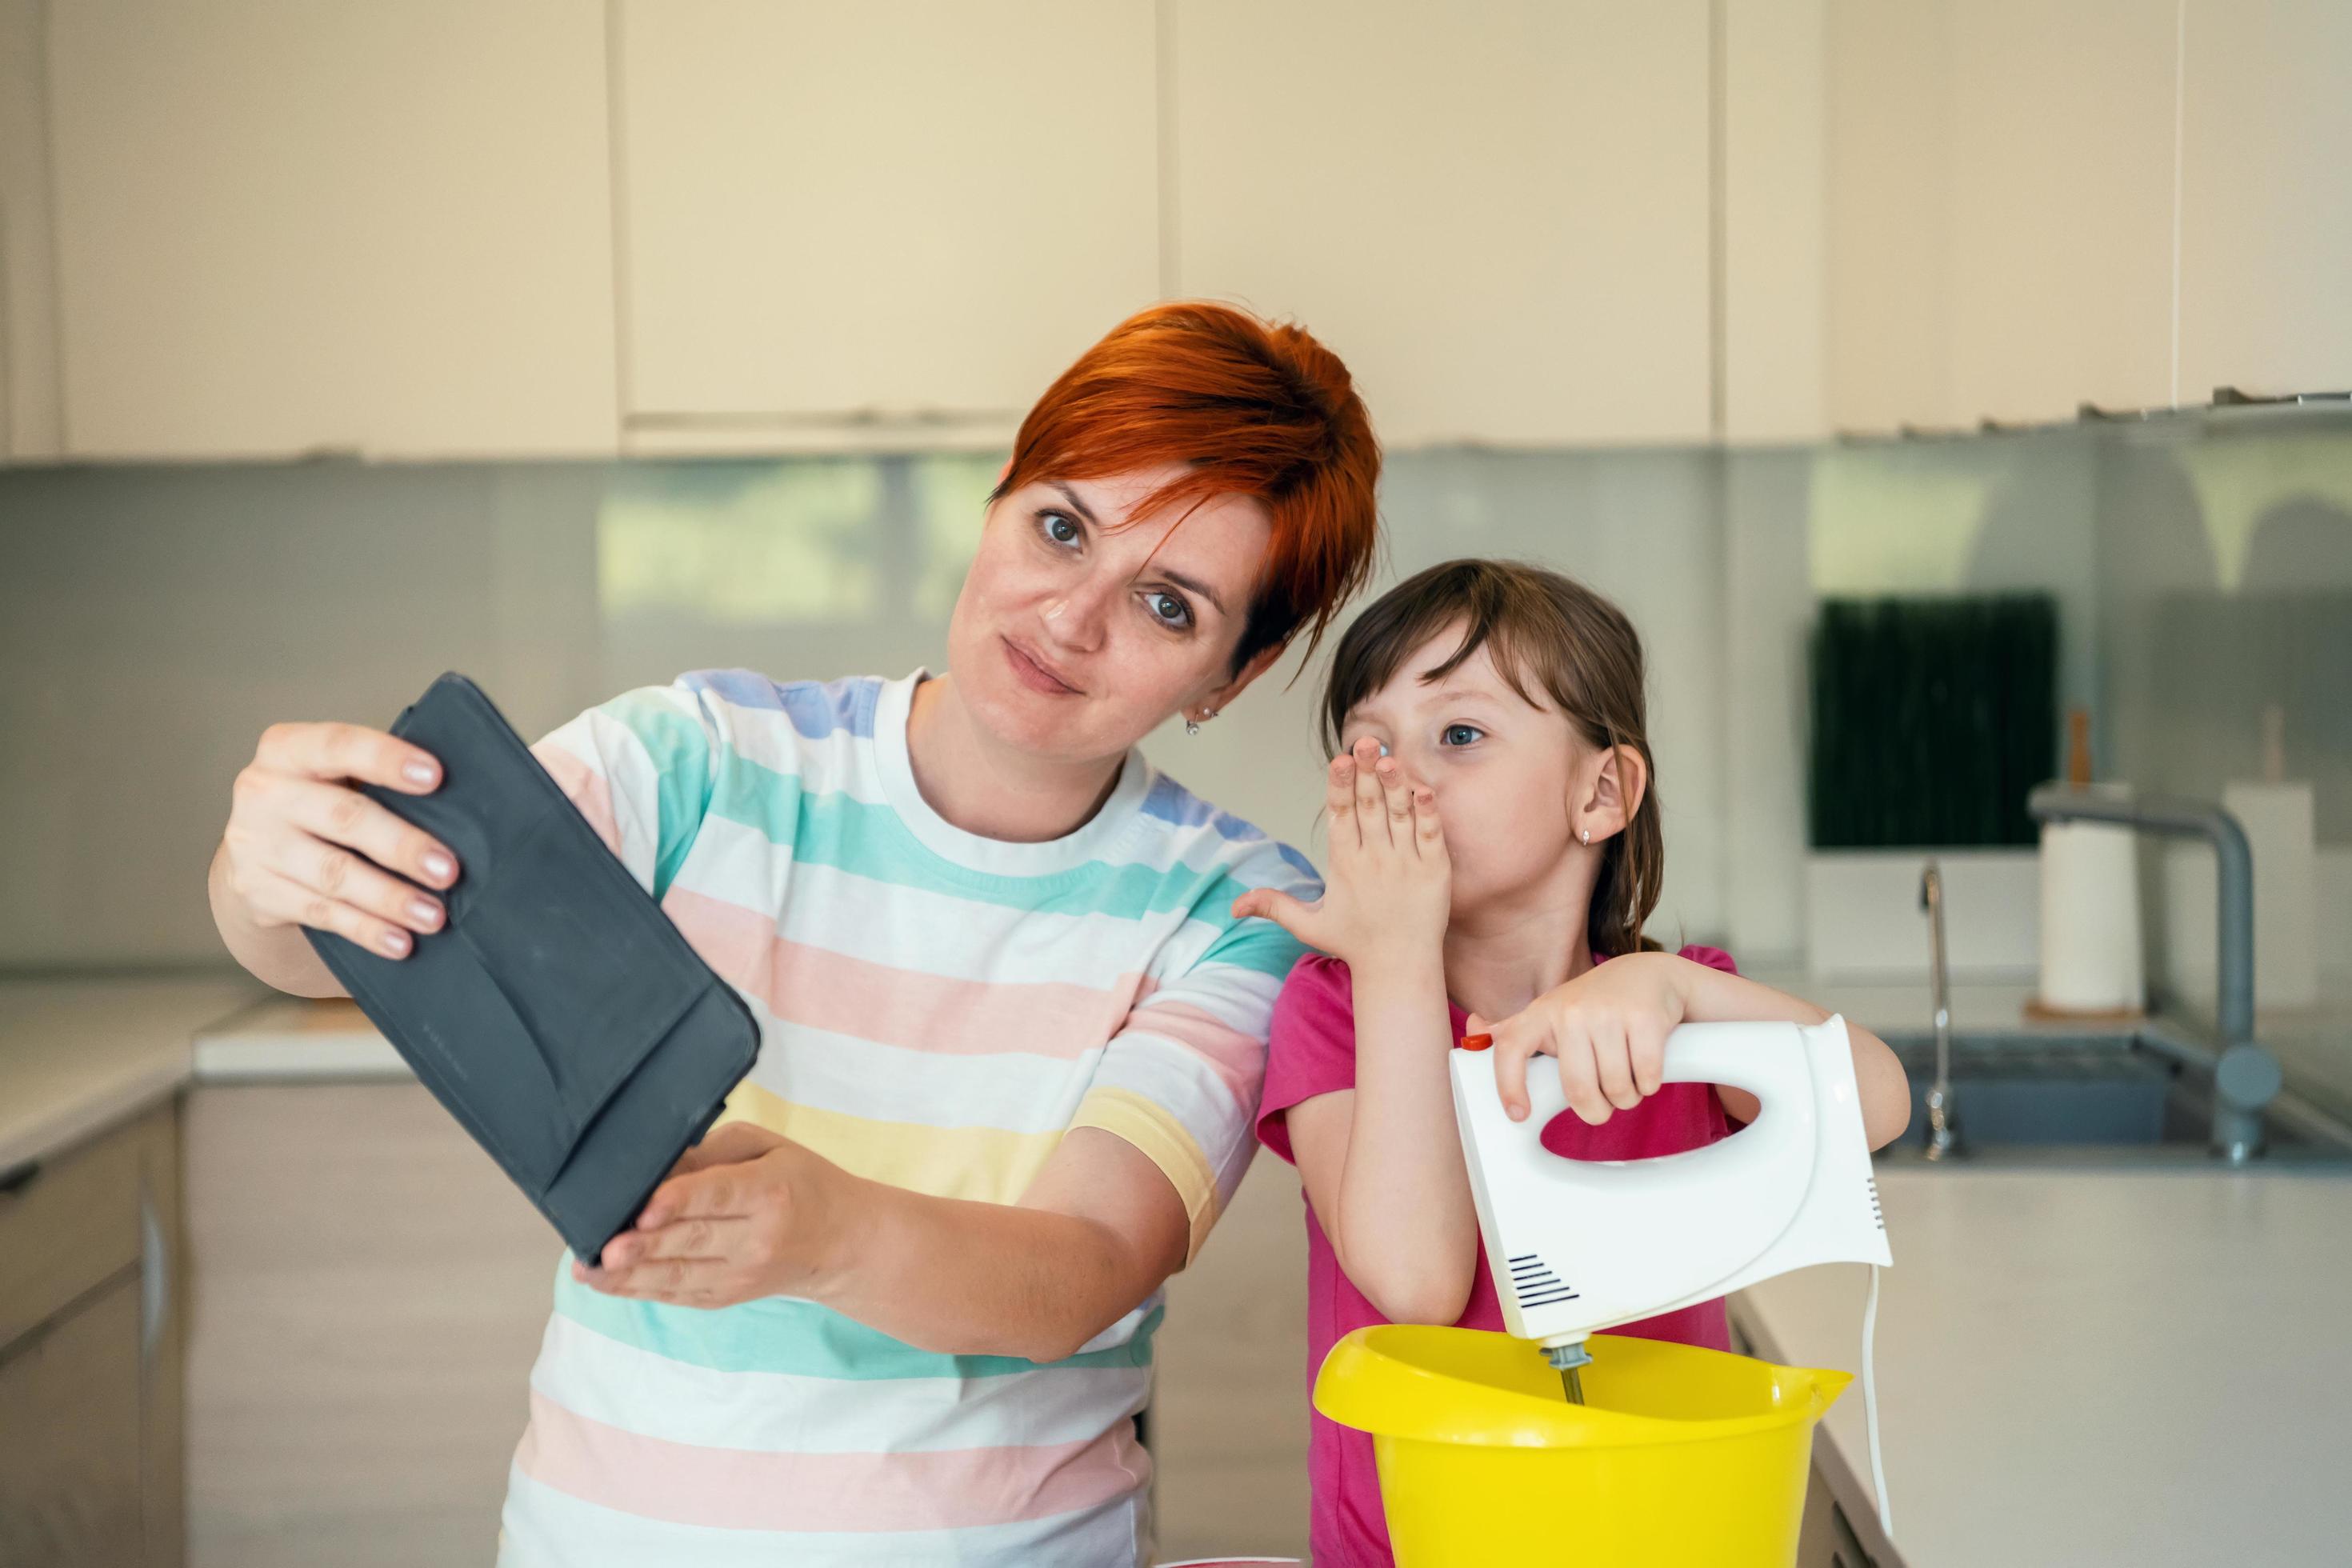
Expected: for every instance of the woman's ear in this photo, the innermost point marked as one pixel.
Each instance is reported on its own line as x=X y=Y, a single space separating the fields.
x=1620 y=780
x=1223 y=696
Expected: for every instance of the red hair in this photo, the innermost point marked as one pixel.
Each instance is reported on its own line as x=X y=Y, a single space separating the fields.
x=1250 y=408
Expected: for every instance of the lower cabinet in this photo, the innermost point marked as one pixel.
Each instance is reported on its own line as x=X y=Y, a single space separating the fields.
x=1826 y=1540
x=367 y=1293
x=89 y=1355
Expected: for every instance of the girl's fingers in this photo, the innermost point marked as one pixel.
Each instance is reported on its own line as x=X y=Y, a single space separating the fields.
x=1301 y=920
x=1371 y=814
x=1511 y=1053
x=274 y=897
x=1396 y=798
x=1580 y=1074
x=1612 y=1057
x=1647 y=1040
x=1339 y=803
x=1427 y=833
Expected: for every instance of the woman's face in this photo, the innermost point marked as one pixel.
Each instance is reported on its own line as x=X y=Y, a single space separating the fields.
x=1505 y=772
x=1080 y=626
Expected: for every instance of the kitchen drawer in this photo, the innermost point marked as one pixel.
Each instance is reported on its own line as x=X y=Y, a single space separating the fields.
x=70 y=1492
x=66 y=1227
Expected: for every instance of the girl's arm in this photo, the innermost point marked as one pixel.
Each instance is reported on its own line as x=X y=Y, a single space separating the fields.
x=1711 y=996
x=1381 y=1162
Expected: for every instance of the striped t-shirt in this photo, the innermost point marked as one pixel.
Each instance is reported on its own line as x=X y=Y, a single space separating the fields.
x=937 y=1010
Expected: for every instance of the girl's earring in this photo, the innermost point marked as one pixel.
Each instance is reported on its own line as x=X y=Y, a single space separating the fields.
x=1587 y=835
x=1192 y=726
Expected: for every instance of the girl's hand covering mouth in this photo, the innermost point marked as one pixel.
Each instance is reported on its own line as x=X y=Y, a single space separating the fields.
x=1390 y=887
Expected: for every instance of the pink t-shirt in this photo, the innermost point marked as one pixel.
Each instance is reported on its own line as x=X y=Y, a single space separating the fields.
x=1313 y=1051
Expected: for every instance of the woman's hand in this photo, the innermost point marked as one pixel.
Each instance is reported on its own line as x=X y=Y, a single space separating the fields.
x=1391 y=885
x=746 y=1213
x=1608 y=1028
x=302 y=847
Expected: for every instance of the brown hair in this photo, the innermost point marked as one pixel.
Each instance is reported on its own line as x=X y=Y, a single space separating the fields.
x=1250 y=407
x=1548 y=630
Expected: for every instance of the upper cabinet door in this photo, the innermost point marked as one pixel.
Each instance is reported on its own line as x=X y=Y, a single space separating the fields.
x=2265 y=216
x=1497 y=215
x=1999 y=204
x=283 y=225
x=910 y=213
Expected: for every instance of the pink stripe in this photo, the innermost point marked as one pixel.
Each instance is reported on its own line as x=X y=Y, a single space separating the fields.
x=587 y=789
x=1235 y=1058
x=821 y=990
x=737 y=1489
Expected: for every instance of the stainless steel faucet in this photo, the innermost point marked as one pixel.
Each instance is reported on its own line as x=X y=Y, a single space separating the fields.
x=2246 y=1076
x=1943 y=1134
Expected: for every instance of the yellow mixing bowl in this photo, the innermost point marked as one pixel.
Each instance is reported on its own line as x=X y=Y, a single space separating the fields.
x=1679 y=1458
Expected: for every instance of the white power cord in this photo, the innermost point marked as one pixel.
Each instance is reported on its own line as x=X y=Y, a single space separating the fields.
x=1870 y=1407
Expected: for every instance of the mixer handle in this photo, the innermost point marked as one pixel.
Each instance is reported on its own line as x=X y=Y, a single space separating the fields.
x=1738 y=1055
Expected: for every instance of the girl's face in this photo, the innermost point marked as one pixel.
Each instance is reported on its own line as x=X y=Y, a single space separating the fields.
x=1508 y=776
x=1080 y=627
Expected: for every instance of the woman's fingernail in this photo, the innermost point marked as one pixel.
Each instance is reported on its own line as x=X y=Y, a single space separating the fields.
x=424 y=911
x=440 y=867
x=419 y=772
x=394 y=944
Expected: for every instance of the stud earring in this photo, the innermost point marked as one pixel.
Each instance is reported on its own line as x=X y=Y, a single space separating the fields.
x=1587 y=835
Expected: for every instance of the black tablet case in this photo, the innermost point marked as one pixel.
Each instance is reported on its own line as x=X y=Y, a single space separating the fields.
x=557 y=1012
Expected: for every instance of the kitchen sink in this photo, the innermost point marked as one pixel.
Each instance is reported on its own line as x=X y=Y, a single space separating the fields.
x=2091 y=1097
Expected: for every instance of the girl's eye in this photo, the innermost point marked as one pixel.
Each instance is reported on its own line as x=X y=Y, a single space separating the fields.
x=1061 y=530
x=1169 y=610
x=1462 y=735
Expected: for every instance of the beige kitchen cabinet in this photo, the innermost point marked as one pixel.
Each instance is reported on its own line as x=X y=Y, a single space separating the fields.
x=282 y=227
x=90 y=1409
x=895 y=221
x=2000 y=207
x=1496 y=215
x=368 y=1294
x=29 y=415
x=2266 y=211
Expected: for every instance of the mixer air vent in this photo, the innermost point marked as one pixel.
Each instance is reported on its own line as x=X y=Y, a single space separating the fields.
x=1871 y=1182
x=1535 y=1284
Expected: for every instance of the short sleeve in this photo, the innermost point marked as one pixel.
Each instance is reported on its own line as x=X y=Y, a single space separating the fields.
x=1311 y=1047
x=639 y=768
x=1713 y=957
x=1180 y=1080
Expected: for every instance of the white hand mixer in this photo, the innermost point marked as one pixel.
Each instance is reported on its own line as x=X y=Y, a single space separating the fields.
x=1577 y=1245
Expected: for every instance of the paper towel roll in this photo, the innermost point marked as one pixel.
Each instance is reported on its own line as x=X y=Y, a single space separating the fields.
x=2090 y=918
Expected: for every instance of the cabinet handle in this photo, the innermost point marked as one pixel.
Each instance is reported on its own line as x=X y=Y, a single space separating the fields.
x=154 y=1280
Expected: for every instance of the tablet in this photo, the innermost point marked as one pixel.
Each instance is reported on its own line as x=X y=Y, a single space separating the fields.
x=557 y=1012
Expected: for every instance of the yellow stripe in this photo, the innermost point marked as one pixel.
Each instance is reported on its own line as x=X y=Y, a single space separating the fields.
x=984 y=1164
x=1123 y=1113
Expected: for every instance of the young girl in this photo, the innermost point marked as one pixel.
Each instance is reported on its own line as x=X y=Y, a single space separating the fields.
x=1494 y=849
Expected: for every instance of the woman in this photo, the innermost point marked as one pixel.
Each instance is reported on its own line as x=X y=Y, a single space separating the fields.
x=899 y=1306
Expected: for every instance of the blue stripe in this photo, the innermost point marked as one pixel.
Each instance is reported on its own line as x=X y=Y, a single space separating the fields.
x=817 y=708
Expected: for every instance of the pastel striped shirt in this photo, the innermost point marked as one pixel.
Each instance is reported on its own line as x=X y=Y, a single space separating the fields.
x=937 y=1010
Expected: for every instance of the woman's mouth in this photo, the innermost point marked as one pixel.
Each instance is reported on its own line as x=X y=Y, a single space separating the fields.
x=1034 y=673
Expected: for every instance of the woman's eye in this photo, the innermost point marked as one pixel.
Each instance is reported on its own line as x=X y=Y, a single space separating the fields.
x=1462 y=735
x=1169 y=610
x=1058 y=528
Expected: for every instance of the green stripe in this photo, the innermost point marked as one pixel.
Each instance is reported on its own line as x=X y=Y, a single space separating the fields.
x=802 y=1338
x=679 y=750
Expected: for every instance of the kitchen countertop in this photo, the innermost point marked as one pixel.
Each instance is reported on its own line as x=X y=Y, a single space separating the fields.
x=2089 y=1368
x=81 y=1055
